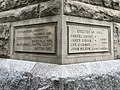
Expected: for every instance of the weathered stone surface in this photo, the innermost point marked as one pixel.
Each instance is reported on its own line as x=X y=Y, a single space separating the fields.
x=20 y=14
x=50 y=8
x=93 y=82
x=15 y=77
x=25 y=81
x=80 y=9
x=97 y=2
x=107 y=3
x=13 y=4
x=10 y=4
x=86 y=76
x=47 y=8
x=116 y=40
x=4 y=40
x=114 y=4
x=94 y=2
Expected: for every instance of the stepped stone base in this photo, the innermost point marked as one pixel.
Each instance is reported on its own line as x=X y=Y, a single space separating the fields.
x=25 y=75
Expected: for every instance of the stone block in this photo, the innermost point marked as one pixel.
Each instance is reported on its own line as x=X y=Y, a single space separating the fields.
x=62 y=32
x=103 y=75
x=80 y=40
x=50 y=8
x=79 y=9
x=29 y=12
x=116 y=40
x=46 y=8
x=112 y=4
x=5 y=40
x=13 y=4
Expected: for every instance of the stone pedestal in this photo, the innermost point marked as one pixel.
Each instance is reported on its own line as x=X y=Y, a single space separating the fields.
x=59 y=32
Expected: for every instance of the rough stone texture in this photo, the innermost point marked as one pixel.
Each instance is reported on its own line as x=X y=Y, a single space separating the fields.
x=53 y=7
x=10 y=4
x=15 y=77
x=93 y=82
x=20 y=14
x=80 y=9
x=116 y=4
x=103 y=75
x=47 y=8
x=117 y=40
x=107 y=3
x=25 y=81
x=113 y=4
x=50 y=8
x=4 y=40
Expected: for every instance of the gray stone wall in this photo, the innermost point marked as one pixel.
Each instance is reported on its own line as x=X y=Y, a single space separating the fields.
x=113 y=4
x=16 y=10
x=26 y=9
x=4 y=40
x=116 y=40
x=13 y=4
x=80 y=9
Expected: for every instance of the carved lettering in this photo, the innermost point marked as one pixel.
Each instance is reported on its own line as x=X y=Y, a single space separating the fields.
x=36 y=39
x=84 y=39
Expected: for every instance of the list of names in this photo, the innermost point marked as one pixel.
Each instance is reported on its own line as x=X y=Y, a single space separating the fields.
x=84 y=39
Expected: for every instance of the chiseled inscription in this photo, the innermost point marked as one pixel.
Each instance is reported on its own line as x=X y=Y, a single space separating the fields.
x=37 y=39
x=85 y=38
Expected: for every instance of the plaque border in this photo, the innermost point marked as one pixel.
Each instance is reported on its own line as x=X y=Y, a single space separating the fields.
x=73 y=23
x=38 y=24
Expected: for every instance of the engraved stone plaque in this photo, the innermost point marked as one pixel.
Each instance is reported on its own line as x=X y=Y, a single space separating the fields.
x=88 y=38
x=36 y=39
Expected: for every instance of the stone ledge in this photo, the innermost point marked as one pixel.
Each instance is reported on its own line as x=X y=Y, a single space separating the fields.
x=25 y=75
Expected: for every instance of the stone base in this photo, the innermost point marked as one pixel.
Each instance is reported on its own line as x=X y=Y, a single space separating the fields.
x=25 y=75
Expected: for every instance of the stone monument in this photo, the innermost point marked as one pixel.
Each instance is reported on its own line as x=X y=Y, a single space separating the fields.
x=58 y=31
x=36 y=32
